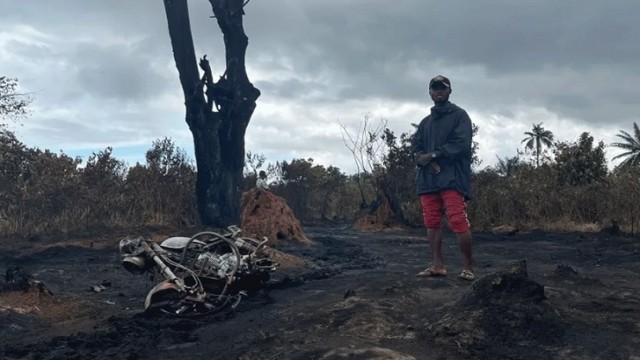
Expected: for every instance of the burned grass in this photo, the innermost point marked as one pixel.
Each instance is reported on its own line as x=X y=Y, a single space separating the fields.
x=349 y=295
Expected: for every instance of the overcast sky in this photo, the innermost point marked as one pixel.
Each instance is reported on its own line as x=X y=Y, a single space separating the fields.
x=102 y=72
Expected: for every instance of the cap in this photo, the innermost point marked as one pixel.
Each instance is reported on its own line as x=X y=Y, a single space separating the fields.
x=440 y=79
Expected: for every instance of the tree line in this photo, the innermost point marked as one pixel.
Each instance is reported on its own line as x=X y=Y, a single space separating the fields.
x=50 y=194
x=549 y=184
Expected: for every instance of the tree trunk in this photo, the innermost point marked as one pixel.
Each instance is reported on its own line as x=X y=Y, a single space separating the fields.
x=218 y=133
x=394 y=202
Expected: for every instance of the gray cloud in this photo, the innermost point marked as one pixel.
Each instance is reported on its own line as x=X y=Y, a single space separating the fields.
x=294 y=89
x=541 y=53
x=125 y=72
x=523 y=61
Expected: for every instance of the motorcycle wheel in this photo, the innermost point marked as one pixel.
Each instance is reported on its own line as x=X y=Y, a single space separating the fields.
x=167 y=298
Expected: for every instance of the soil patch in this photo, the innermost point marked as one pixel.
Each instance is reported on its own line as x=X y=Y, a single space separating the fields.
x=349 y=295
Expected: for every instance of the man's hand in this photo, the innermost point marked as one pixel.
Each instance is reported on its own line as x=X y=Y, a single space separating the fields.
x=425 y=159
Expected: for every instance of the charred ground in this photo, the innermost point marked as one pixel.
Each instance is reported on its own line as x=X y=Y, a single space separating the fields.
x=538 y=296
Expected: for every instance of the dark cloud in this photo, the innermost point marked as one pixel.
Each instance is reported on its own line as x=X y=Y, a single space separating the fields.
x=501 y=35
x=572 y=59
x=378 y=49
x=119 y=71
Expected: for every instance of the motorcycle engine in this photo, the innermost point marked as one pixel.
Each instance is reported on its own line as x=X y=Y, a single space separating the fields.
x=218 y=266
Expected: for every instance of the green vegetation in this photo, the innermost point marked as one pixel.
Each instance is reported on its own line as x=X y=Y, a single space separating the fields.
x=43 y=193
x=48 y=194
x=13 y=105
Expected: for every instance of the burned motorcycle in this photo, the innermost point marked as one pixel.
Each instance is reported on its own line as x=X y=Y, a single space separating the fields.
x=204 y=274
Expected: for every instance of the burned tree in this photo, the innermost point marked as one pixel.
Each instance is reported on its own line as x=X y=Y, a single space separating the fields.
x=217 y=112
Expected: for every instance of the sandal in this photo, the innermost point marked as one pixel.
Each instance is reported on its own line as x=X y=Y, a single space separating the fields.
x=467 y=275
x=432 y=272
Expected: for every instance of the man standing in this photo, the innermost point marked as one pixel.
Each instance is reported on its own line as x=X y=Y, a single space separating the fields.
x=442 y=150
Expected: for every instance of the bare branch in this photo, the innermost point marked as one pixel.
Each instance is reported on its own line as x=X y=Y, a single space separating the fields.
x=365 y=146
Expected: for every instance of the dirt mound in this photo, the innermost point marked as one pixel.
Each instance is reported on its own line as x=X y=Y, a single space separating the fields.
x=284 y=260
x=379 y=217
x=505 y=305
x=267 y=214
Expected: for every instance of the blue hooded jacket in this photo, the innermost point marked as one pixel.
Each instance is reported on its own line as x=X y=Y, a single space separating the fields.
x=446 y=131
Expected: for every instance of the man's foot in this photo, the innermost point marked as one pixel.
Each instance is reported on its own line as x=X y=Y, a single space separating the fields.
x=467 y=275
x=432 y=272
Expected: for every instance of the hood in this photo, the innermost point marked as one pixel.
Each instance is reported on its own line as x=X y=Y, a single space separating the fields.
x=449 y=107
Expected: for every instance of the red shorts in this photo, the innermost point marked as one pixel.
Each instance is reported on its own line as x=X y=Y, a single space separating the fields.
x=454 y=207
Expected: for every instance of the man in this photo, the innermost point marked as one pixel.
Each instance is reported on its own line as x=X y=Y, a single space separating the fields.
x=261 y=182
x=442 y=150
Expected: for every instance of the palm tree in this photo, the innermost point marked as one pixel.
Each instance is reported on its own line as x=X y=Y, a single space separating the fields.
x=538 y=136
x=632 y=146
x=508 y=166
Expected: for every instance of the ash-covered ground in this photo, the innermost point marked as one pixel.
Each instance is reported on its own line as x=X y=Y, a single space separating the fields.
x=537 y=296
